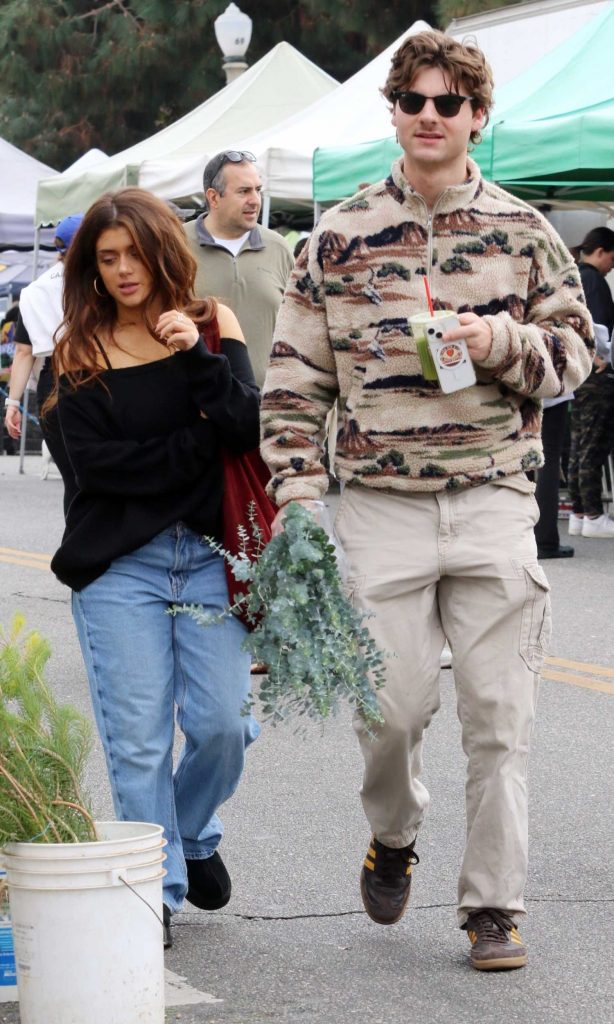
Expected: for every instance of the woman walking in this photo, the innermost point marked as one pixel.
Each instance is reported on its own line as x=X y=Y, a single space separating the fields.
x=145 y=410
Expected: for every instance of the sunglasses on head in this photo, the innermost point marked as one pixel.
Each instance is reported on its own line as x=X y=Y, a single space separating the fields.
x=230 y=156
x=446 y=105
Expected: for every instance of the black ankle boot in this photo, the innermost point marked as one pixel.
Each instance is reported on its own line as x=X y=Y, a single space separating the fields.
x=209 y=883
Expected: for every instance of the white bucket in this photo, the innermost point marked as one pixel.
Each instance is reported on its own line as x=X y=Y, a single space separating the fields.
x=87 y=927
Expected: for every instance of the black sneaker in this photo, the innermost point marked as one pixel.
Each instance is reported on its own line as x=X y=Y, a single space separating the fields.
x=209 y=883
x=385 y=881
x=167 y=937
x=495 y=942
x=563 y=551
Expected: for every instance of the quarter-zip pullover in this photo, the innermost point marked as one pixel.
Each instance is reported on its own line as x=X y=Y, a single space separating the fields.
x=343 y=333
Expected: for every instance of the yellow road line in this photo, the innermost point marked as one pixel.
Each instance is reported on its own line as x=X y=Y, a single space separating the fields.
x=581 y=666
x=30 y=555
x=28 y=563
x=584 y=681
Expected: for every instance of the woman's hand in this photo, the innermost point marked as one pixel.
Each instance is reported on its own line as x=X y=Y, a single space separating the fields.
x=176 y=330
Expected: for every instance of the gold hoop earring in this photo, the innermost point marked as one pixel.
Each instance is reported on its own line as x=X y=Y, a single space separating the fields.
x=101 y=295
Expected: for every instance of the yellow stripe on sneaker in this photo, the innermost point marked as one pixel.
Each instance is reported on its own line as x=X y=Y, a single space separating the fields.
x=369 y=864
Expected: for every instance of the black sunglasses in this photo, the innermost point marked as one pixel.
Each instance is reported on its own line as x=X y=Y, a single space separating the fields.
x=229 y=156
x=446 y=105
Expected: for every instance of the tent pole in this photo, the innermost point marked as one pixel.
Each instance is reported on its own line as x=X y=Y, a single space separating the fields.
x=37 y=238
x=266 y=209
x=317 y=213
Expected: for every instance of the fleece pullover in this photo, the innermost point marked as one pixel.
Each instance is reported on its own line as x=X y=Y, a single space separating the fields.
x=252 y=283
x=343 y=333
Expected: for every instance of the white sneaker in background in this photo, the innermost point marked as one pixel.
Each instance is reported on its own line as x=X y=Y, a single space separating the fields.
x=601 y=527
x=46 y=461
x=445 y=658
x=574 y=528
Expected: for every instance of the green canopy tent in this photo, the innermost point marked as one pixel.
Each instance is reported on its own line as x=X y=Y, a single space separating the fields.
x=551 y=134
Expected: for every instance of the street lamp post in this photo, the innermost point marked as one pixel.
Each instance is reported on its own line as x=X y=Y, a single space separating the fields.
x=233 y=31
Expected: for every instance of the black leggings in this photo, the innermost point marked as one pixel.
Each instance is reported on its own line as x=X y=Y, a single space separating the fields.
x=554 y=423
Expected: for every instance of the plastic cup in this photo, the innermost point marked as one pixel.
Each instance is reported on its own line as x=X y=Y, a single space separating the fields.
x=419 y=323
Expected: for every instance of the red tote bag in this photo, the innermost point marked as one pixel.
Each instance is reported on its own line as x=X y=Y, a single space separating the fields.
x=245 y=479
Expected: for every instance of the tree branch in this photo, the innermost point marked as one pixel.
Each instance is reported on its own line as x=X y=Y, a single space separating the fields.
x=105 y=7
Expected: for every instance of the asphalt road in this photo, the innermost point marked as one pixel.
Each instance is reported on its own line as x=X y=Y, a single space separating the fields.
x=294 y=944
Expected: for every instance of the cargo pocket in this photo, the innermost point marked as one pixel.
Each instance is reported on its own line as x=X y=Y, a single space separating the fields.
x=536 y=626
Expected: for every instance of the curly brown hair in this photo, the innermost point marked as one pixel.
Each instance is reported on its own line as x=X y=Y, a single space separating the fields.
x=159 y=239
x=463 y=65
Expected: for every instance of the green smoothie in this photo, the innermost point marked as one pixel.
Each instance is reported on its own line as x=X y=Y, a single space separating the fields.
x=418 y=322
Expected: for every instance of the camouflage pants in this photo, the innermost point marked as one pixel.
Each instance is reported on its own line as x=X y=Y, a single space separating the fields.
x=592 y=440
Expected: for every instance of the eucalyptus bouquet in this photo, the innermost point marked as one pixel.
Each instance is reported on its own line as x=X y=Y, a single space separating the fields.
x=43 y=749
x=304 y=628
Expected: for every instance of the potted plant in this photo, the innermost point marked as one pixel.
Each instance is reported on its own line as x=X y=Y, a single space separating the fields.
x=72 y=881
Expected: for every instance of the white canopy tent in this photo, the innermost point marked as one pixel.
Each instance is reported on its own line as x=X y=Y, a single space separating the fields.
x=19 y=178
x=94 y=157
x=171 y=162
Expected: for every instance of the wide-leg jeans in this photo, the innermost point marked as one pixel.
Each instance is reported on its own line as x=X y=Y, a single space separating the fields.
x=461 y=565
x=142 y=664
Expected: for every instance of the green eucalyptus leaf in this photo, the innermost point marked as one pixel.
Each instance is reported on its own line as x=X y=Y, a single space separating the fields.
x=307 y=632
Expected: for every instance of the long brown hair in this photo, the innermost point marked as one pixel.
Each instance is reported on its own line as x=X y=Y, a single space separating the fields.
x=159 y=239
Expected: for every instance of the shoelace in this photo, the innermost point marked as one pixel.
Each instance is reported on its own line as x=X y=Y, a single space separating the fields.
x=492 y=925
x=388 y=861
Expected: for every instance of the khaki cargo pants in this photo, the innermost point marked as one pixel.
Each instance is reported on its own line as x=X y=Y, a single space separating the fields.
x=461 y=565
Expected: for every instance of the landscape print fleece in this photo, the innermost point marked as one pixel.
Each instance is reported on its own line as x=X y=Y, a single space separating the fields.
x=343 y=333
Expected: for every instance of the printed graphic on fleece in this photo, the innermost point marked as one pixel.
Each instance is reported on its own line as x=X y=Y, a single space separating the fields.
x=343 y=331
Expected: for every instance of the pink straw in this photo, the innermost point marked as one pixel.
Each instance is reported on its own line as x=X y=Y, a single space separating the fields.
x=428 y=295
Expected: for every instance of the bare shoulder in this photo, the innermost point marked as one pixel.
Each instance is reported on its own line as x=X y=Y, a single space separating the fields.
x=228 y=323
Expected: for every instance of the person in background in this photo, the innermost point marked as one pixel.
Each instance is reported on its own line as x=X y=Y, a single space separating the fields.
x=436 y=516
x=238 y=260
x=7 y=354
x=7 y=336
x=554 y=426
x=300 y=245
x=145 y=410
x=592 y=417
x=40 y=315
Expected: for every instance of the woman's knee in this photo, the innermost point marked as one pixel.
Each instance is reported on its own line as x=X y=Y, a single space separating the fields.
x=219 y=727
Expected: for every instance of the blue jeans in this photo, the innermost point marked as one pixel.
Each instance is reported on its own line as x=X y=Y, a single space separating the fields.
x=141 y=663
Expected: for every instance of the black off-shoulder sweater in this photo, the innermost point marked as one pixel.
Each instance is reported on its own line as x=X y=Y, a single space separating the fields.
x=144 y=458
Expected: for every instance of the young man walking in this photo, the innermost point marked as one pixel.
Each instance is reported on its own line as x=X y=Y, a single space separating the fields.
x=437 y=514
